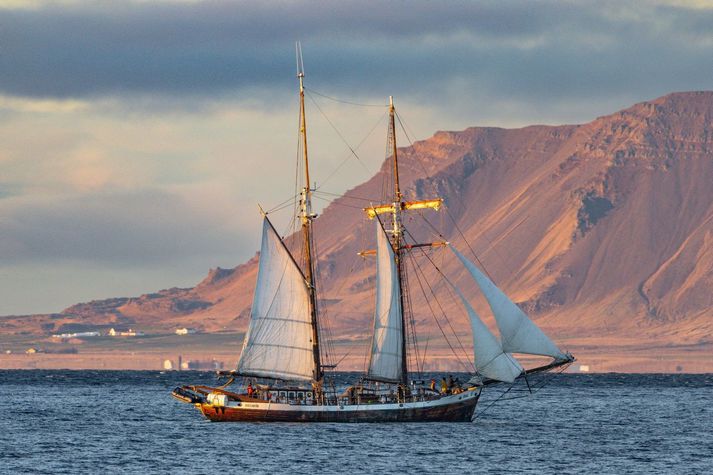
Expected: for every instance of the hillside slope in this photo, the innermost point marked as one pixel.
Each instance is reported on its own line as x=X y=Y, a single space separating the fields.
x=603 y=231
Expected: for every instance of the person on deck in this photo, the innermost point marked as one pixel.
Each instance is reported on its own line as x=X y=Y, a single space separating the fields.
x=444 y=386
x=250 y=389
x=433 y=385
x=450 y=382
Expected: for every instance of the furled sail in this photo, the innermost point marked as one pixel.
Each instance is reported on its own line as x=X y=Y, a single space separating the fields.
x=517 y=332
x=278 y=343
x=385 y=363
x=490 y=359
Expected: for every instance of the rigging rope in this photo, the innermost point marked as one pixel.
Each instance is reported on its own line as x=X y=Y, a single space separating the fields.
x=440 y=327
x=329 y=317
x=342 y=101
x=372 y=297
x=455 y=224
x=420 y=162
x=411 y=320
x=333 y=201
x=281 y=205
x=493 y=403
x=438 y=302
x=533 y=388
x=350 y=196
x=353 y=151
x=334 y=127
x=324 y=321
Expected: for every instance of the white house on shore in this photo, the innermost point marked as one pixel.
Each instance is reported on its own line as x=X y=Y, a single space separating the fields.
x=76 y=335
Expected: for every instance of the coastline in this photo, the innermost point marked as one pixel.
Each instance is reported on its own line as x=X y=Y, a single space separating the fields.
x=659 y=359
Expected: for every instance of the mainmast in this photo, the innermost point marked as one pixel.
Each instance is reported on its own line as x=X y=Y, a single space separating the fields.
x=396 y=237
x=307 y=216
x=399 y=247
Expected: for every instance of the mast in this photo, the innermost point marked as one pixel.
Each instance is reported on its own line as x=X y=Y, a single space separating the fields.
x=392 y=133
x=307 y=216
x=395 y=207
x=397 y=237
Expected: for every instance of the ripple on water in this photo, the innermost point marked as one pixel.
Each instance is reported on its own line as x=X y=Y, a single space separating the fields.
x=126 y=422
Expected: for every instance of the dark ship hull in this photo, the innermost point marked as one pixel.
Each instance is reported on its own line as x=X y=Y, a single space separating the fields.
x=452 y=408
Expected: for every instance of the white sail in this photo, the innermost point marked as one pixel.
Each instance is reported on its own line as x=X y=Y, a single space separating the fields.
x=490 y=359
x=517 y=332
x=278 y=343
x=386 y=358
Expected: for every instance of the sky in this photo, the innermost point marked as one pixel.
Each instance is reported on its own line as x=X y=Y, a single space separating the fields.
x=138 y=137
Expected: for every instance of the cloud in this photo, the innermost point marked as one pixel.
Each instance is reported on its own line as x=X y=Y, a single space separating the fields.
x=45 y=106
x=554 y=50
x=141 y=228
x=117 y=183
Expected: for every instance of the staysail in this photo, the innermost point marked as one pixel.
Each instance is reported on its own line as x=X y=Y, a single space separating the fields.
x=490 y=359
x=385 y=362
x=278 y=343
x=517 y=332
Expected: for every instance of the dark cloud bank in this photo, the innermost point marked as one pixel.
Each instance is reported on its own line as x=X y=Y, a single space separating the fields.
x=511 y=50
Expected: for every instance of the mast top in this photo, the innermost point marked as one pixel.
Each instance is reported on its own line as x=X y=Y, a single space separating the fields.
x=300 y=64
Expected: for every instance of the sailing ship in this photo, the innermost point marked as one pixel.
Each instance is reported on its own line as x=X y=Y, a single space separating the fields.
x=284 y=377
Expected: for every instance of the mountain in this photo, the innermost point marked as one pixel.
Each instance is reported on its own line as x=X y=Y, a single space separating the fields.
x=602 y=231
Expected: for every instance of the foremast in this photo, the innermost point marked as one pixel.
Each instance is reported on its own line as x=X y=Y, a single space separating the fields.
x=306 y=217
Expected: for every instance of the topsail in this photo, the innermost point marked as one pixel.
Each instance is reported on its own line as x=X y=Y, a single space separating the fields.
x=386 y=358
x=278 y=343
x=517 y=332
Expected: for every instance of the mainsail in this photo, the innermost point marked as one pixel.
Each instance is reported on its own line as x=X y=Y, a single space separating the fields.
x=385 y=363
x=490 y=359
x=517 y=332
x=278 y=343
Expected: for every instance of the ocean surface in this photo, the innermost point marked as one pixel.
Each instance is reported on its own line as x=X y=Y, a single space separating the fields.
x=127 y=422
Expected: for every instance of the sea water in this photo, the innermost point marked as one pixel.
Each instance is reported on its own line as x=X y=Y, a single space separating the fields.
x=127 y=422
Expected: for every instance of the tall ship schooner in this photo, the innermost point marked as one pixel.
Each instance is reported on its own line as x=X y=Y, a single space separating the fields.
x=281 y=372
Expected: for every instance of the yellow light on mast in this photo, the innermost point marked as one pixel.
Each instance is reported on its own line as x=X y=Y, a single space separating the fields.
x=434 y=204
x=425 y=204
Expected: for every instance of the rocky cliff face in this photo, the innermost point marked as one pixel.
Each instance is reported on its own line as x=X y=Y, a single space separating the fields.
x=603 y=231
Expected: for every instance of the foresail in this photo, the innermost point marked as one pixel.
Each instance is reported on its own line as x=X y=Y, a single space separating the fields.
x=490 y=359
x=385 y=362
x=518 y=333
x=278 y=343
